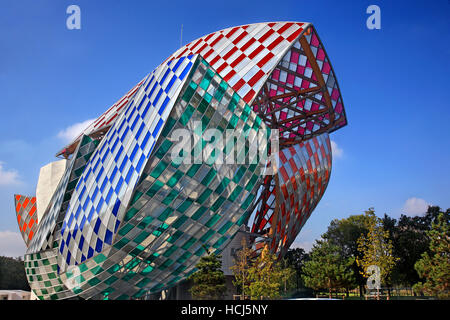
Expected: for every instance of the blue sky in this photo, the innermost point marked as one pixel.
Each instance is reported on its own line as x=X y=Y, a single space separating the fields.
x=394 y=155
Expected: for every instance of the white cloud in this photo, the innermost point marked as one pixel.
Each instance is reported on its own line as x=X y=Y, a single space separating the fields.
x=11 y=244
x=71 y=132
x=337 y=152
x=8 y=177
x=306 y=245
x=415 y=206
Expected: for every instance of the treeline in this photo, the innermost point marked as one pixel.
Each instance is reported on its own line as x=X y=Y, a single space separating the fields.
x=12 y=274
x=409 y=251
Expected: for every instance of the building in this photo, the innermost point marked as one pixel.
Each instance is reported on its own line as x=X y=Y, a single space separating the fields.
x=16 y=295
x=140 y=196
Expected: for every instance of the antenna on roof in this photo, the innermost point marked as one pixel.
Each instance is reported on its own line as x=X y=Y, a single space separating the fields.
x=181 y=36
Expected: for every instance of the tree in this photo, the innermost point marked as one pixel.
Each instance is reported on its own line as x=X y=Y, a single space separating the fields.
x=12 y=274
x=434 y=267
x=295 y=259
x=266 y=276
x=344 y=234
x=376 y=248
x=410 y=240
x=209 y=280
x=241 y=268
x=328 y=268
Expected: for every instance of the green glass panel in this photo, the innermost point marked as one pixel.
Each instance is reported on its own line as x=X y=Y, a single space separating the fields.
x=233 y=122
x=248 y=201
x=211 y=222
x=205 y=122
x=236 y=192
x=184 y=256
x=217 y=204
x=200 y=252
x=130 y=214
x=179 y=270
x=169 y=251
x=114 y=268
x=185 y=205
x=136 y=197
x=172 y=195
x=200 y=211
x=175 y=236
x=189 y=243
x=209 y=74
x=251 y=183
x=225 y=227
x=187 y=114
x=239 y=174
x=145 y=222
x=188 y=93
x=166 y=264
x=111 y=280
x=202 y=106
x=193 y=170
x=170 y=122
x=222 y=185
x=159 y=169
x=243 y=218
x=136 y=251
x=258 y=121
x=207 y=235
x=93 y=281
x=147 y=270
x=125 y=229
x=175 y=178
x=163 y=149
x=202 y=198
x=179 y=222
x=207 y=97
x=154 y=188
x=209 y=177
x=234 y=101
x=204 y=84
x=165 y=214
x=133 y=263
x=141 y=237
x=220 y=242
x=143 y=282
x=100 y=258
x=97 y=270
x=83 y=267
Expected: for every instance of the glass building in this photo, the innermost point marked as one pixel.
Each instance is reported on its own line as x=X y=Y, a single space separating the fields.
x=133 y=207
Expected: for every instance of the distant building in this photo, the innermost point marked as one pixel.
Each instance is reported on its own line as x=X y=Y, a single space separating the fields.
x=16 y=295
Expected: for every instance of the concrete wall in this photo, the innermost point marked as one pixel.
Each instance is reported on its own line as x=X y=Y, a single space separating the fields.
x=49 y=177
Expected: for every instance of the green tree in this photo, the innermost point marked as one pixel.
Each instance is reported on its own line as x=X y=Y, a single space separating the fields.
x=295 y=259
x=288 y=276
x=376 y=248
x=241 y=268
x=12 y=274
x=410 y=241
x=267 y=276
x=434 y=267
x=344 y=234
x=328 y=268
x=209 y=280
